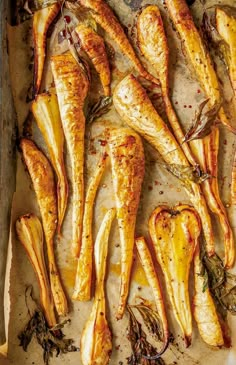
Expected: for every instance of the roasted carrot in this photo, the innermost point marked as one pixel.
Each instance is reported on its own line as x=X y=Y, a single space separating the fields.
x=204 y=308
x=82 y=289
x=30 y=234
x=72 y=88
x=135 y=108
x=127 y=162
x=226 y=26
x=46 y=112
x=175 y=233
x=41 y=22
x=203 y=67
x=93 y=44
x=96 y=341
x=152 y=42
x=42 y=177
x=105 y=17
x=149 y=269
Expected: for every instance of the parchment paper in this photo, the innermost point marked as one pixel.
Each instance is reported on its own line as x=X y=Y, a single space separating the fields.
x=159 y=187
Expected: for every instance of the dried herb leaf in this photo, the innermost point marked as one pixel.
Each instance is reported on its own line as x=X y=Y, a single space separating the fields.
x=203 y=122
x=50 y=339
x=152 y=320
x=212 y=37
x=187 y=174
x=221 y=283
x=141 y=348
x=101 y=107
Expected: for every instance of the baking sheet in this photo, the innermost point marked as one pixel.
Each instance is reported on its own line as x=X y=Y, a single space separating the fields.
x=158 y=187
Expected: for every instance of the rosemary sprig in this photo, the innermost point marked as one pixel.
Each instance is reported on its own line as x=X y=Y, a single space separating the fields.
x=143 y=353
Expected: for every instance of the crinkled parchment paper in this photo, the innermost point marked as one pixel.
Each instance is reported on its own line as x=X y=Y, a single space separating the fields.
x=158 y=187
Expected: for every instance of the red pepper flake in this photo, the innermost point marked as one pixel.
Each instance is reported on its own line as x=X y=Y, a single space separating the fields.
x=225 y=142
x=102 y=142
x=190 y=106
x=150 y=187
x=198 y=91
x=67 y=19
x=156 y=182
x=176 y=102
x=185 y=106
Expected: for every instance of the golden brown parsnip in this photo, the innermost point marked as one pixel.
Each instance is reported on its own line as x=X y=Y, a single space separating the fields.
x=42 y=178
x=204 y=308
x=72 y=87
x=153 y=44
x=96 y=341
x=46 y=112
x=175 y=233
x=226 y=26
x=41 y=21
x=30 y=233
x=152 y=278
x=127 y=163
x=83 y=281
x=93 y=44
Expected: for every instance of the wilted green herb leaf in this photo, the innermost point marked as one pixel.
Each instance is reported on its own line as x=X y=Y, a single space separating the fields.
x=101 y=107
x=50 y=339
x=141 y=348
x=221 y=283
x=203 y=122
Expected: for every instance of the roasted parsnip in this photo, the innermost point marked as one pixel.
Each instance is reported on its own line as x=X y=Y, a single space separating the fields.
x=127 y=163
x=30 y=233
x=96 y=342
x=104 y=16
x=135 y=108
x=152 y=42
x=226 y=27
x=72 y=87
x=204 y=69
x=148 y=266
x=175 y=233
x=233 y=181
x=42 y=177
x=93 y=44
x=82 y=289
x=204 y=308
x=41 y=22
x=46 y=112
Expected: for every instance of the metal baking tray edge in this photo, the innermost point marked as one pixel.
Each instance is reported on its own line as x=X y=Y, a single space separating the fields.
x=7 y=154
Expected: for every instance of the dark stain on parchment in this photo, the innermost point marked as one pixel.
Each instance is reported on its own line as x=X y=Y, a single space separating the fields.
x=133 y=4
